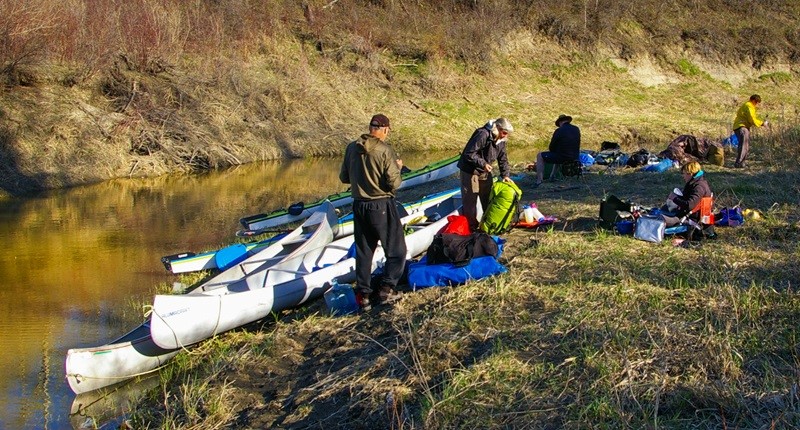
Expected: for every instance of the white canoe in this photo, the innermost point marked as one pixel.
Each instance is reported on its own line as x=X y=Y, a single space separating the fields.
x=255 y=224
x=225 y=257
x=316 y=232
x=131 y=355
x=135 y=353
x=180 y=320
x=186 y=262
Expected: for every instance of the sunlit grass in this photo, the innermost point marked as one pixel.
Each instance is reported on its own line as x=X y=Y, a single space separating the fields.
x=587 y=327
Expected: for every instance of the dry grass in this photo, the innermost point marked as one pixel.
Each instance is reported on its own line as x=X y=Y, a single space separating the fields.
x=145 y=88
x=587 y=330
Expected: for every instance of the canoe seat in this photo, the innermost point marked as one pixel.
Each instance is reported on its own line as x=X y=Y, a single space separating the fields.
x=296 y=242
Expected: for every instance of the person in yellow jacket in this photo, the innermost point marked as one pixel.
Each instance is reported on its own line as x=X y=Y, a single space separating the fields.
x=746 y=118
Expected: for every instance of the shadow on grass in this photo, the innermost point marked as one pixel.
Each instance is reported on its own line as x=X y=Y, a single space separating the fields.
x=12 y=179
x=760 y=252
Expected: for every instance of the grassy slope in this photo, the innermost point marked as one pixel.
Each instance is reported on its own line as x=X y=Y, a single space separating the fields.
x=289 y=100
x=587 y=330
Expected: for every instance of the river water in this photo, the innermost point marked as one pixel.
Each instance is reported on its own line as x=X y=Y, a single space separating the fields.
x=78 y=265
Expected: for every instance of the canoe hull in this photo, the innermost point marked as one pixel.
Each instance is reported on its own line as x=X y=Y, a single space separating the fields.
x=439 y=170
x=190 y=262
x=180 y=320
x=132 y=355
x=136 y=353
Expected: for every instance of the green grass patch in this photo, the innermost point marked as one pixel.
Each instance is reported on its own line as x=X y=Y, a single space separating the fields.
x=687 y=68
x=776 y=77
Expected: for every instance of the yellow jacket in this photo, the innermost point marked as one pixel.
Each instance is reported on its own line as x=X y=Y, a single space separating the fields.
x=746 y=116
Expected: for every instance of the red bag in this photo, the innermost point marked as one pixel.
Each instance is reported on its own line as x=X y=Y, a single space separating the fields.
x=457 y=224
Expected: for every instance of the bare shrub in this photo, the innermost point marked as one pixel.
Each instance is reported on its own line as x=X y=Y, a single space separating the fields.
x=25 y=30
x=87 y=38
x=151 y=35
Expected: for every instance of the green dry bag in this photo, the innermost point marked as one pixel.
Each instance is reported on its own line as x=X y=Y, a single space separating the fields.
x=503 y=208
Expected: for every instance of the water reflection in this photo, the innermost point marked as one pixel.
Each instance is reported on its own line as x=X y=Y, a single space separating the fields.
x=76 y=265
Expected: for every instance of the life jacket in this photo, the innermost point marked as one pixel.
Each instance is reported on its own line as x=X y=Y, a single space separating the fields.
x=704 y=211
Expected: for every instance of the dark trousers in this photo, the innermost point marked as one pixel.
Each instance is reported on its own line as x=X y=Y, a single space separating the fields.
x=378 y=220
x=743 y=136
x=474 y=188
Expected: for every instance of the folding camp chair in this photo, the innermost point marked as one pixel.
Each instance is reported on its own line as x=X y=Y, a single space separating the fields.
x=555 y=171
x=705 y=218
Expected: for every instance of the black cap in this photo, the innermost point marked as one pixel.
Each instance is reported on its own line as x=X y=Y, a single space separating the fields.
x=379 y=120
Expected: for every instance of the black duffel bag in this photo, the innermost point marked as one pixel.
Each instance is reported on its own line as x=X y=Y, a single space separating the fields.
x=460 y=249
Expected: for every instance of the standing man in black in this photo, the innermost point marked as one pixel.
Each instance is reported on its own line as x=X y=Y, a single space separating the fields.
x=487 y=145
x=372 y=169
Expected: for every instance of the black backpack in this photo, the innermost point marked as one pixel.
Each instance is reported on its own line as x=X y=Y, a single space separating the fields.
x=639 y=158
x=606 y=145
x=460 y=249
x=609 y=208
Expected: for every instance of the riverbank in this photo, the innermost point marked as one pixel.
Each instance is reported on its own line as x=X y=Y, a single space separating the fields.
x=586 y=327
x=305 y=90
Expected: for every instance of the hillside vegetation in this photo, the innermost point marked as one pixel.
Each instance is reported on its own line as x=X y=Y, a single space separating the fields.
x=102 y=89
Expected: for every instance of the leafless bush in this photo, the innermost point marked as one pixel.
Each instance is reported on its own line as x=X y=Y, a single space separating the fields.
x=152 y=35
x=25 y=30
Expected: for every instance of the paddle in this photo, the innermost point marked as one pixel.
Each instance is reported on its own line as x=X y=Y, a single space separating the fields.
x=250 y=233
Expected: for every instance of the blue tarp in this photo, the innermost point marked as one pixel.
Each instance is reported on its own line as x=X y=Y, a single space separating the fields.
x=423 y=275
x=660 y=167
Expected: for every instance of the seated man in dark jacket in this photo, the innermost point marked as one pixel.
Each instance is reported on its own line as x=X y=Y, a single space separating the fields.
x=565 y=145
x=681 y=204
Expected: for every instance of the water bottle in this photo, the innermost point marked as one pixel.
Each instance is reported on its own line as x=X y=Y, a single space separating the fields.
x=341 y=299
x=537 y=216
x=527 y=214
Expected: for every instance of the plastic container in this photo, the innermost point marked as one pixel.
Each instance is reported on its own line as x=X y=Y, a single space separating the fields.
x=527 y=214
x=537 y=216
x=341 y=299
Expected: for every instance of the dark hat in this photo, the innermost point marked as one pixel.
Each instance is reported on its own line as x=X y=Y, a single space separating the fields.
x=379 y=120
x=563 y=118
